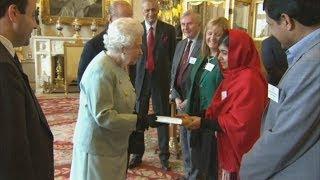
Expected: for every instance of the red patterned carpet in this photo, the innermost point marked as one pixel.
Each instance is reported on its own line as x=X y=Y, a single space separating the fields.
x=61 y=113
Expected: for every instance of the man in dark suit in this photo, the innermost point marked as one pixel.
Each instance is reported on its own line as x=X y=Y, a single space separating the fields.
x=153 y=75
x=117 y=10
x=274 y=59
x=26 y=149
x=184 y=57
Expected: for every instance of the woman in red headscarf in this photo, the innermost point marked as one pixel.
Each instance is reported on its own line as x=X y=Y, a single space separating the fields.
x=236 y=109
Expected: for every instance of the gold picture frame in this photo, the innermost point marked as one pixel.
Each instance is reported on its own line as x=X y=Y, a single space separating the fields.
x=68 y=10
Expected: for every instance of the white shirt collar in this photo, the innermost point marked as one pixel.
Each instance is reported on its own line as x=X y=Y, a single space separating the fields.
x=7 y=44
x=154 y=25
x=296 y=50
x=194 y=39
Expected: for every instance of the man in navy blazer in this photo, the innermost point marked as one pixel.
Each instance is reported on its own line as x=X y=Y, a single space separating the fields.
x=289 y=145
x=155 y=83
x=26 y=148
x=94 y=46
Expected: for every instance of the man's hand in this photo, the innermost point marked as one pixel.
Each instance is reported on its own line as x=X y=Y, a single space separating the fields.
x=178 y=102
x=181 y=105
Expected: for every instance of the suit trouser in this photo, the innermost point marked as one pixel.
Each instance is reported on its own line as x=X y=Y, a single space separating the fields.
x=163 y=130
x=190 y=171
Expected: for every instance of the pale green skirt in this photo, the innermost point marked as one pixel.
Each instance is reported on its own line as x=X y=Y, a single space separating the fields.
x=87 y=166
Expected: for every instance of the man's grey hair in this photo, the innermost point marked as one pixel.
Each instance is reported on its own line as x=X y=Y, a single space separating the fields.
x=197 y=16
x=122 y=32
x=113 y=8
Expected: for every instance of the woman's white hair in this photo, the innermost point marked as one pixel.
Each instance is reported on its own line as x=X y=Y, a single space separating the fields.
x=121 y=33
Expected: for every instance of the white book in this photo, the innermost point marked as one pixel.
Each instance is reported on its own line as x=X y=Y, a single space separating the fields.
x=169 y=120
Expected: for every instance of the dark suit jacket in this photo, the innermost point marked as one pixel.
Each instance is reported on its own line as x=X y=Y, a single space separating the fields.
x=274 y=59
x=165 y=41
x=90 y=50
x=175 y=92
x=26 y=148
x=93 y=47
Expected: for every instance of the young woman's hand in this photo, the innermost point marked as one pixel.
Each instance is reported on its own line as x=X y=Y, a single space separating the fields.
x=195 y=123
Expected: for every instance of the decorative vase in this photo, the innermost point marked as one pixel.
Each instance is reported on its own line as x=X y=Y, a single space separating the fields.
x=76 y=27
x=59 y=27
x=93 y=27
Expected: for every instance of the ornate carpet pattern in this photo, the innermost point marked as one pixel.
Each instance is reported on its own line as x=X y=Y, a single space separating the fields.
x=61 y=113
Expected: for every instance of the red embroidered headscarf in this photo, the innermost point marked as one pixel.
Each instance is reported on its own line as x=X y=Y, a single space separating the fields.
x=239 y=101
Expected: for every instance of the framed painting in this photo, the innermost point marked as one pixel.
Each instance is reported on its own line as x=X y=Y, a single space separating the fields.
x=68 y=10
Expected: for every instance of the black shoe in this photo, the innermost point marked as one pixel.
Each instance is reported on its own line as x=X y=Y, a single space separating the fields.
x=165 y=166
x=135 y=162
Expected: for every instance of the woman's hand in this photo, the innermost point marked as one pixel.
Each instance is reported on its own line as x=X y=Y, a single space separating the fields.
x=195 y=123
x=185 y=119
x=190 y=122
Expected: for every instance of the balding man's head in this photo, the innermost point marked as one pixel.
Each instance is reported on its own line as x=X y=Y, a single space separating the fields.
x=150 y=10
x=119 y=9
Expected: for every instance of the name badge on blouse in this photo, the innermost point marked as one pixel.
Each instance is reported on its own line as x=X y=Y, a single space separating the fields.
x=273 y=93
x=223 y=95
x=209 y=67
x=192 y=60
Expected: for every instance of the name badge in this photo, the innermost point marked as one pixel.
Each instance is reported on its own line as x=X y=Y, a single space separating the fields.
x=223 y=95
x=273 y=93
x=192 y=60
x=209 y=66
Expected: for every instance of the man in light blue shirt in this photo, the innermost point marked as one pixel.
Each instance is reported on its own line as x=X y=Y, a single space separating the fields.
x=289 y=146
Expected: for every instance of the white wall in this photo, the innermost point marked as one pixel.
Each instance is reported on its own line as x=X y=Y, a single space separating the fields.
x=137 y=10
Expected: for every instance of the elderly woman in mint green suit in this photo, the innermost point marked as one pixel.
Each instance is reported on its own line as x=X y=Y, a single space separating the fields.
x=107 y=100
x=205 y=79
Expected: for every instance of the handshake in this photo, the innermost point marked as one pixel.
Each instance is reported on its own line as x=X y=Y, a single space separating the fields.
x=146 y=121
